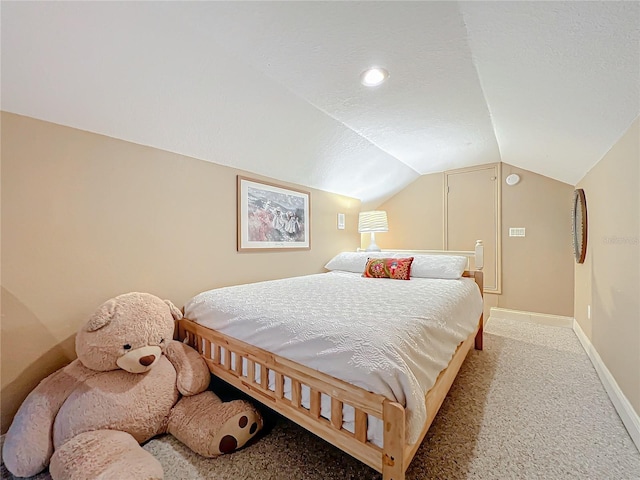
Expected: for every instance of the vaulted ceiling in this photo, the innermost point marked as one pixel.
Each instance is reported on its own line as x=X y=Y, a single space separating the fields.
x=273 y=87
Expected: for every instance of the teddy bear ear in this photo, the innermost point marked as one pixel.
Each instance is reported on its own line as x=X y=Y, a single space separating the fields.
x=102 y=316
x=175 y=311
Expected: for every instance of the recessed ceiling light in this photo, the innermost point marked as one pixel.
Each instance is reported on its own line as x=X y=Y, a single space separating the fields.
x=373 y=76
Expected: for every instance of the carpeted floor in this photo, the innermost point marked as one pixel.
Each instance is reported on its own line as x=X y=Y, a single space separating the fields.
x=530 y=406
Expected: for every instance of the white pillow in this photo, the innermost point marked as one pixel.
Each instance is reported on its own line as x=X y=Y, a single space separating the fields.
x=438 y=266
x=424 y=266
x=353 y=261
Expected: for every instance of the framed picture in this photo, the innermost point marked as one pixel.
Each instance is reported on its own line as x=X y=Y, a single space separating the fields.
x=272 y=217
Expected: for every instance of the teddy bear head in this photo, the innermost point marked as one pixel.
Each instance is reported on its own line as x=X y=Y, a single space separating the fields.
x=129 y=332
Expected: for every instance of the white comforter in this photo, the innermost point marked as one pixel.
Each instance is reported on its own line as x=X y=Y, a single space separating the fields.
x=391 y=337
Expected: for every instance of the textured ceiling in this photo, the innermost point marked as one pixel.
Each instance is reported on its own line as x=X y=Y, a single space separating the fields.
x=272 y=87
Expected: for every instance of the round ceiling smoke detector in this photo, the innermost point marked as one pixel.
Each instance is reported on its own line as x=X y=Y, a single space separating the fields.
x=373 y=76
x=512 y=179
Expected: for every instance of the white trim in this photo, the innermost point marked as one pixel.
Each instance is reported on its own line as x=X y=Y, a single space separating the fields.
x=531 y=317
x=628 y=415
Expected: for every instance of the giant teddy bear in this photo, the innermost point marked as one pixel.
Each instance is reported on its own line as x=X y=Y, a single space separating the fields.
x=130 y=382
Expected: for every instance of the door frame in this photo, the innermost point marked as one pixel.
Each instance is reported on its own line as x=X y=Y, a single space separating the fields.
x=497 y=212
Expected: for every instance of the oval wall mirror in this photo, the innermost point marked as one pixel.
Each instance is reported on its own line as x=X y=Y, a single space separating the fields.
x=579 y=224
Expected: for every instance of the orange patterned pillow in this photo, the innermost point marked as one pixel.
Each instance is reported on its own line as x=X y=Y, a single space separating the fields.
x=396 y=268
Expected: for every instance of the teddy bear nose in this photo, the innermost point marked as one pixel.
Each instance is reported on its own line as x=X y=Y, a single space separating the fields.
x=147 y=360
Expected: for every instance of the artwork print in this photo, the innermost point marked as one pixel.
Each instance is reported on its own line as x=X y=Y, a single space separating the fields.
x=271 y=217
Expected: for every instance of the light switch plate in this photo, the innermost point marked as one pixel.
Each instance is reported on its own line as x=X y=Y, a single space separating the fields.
x=341 y=221
x=517 y=232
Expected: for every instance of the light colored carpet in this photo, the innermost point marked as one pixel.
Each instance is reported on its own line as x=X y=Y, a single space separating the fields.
x=530 y=406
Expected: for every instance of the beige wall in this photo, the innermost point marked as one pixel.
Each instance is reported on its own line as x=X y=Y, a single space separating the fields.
x=86 y=217
x=415 y=216
x=537 y=270
x=609 y=279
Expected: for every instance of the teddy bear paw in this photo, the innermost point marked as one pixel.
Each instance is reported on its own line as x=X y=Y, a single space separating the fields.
x=238 y=429
x=211 y=427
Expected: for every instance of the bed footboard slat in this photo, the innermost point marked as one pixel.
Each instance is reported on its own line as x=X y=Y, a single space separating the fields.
x=279 y=385
x=361 y=425
x=251 y=371
x=226 y=363
x=314 y=408
x=207 y=348
x=237 y=366
x=296 y=393
x=336 y=413
x=216 y=353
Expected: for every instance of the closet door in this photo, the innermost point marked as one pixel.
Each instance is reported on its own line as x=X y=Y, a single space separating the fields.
x=472 y=212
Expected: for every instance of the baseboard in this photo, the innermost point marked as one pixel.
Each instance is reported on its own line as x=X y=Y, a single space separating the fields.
x=627 y=414
x=531 y=317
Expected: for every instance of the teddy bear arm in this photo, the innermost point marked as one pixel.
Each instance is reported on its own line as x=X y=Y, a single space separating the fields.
x=28 y=444
x=193 y=373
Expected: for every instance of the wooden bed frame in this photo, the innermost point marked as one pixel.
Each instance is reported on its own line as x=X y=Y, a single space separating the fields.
x=393 y=459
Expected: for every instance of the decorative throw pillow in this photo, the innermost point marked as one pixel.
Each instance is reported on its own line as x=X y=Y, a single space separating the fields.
x=396 y=268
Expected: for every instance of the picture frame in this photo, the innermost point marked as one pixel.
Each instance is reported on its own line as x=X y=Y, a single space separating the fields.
x=272 y=217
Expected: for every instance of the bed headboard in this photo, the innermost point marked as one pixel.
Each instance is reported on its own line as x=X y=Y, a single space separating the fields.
x=475 y=258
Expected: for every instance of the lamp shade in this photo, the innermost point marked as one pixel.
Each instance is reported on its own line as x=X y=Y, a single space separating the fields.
x=374 y=221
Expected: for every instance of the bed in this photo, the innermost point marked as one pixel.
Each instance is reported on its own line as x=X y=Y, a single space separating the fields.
x=373 y=397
